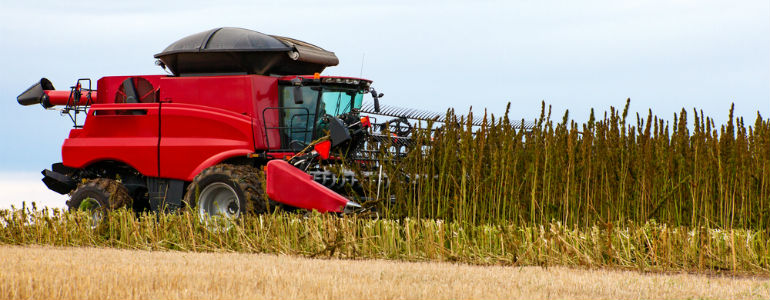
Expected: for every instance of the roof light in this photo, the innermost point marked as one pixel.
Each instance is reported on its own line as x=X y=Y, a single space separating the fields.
x=347 y=81
x=317 y=75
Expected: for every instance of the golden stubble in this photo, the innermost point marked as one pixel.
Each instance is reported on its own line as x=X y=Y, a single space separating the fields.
x=95 y=273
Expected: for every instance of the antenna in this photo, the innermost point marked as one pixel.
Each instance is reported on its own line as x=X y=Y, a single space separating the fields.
x=361 y=74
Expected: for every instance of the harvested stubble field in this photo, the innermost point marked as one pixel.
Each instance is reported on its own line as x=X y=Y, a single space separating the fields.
x=94 y=273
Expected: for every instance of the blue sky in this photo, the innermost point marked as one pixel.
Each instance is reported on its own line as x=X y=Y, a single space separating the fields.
x=575 y=55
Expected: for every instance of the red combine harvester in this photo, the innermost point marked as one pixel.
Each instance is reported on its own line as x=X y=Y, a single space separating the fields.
x=241 y=109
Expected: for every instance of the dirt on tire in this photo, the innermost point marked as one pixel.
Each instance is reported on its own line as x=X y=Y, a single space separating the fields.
x=110 y=194
x=248 y=179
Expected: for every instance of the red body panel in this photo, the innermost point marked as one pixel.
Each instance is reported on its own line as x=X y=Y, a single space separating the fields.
x=248 y=95
x=289 y=185
x=199 y=122
x=231 y=93
x=120 y=132
x=107 y=87
x=195 y=137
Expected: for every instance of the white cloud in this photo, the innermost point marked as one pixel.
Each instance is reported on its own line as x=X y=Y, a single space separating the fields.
x=16 y=188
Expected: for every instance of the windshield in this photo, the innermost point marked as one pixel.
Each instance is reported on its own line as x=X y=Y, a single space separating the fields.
x=340 y=101
x=304 y=122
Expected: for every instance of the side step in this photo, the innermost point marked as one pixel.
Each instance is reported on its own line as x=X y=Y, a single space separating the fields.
x=58 y=182
x=289 y=185
x=58 y=178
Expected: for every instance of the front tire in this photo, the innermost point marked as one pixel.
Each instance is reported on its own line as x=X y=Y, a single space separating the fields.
x=227 y=191
x=99 y=196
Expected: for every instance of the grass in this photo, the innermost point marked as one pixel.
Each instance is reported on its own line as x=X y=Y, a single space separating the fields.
x=48 y=273
x=688 y=171
x=644 y=247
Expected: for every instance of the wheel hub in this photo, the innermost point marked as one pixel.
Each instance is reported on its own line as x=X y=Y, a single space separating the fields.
x=219 y=199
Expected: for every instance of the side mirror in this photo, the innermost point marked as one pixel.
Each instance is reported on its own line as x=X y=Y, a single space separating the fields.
x=376 y=98
x=298 y=95
x=338 y=131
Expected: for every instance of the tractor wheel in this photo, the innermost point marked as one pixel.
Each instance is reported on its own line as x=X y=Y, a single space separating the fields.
x=228 y=191
x=99 y=195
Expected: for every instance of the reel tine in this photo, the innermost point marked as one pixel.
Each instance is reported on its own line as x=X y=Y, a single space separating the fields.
x=424 y=115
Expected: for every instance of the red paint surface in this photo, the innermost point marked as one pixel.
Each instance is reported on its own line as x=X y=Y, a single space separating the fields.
x=289 y=185
x=62 y=97
x=195 y=137
x=113 y=132
x=323 y=149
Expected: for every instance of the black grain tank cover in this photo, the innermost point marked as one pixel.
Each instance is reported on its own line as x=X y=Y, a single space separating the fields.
x=229 y=50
